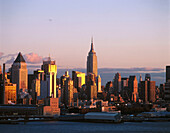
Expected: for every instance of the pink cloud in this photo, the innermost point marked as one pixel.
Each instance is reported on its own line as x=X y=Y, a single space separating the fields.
x=33 y=58
x=1 y=53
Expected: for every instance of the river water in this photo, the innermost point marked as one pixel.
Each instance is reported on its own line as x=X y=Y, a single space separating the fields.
x=84 y=127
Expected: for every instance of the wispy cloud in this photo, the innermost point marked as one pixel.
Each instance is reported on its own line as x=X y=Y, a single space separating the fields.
x=10 y=61
x=3 y=57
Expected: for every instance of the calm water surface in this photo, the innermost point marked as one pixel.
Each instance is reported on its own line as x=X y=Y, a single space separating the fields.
x=81 y=127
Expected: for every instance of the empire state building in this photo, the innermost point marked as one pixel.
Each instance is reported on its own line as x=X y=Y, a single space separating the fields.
x=92 y=61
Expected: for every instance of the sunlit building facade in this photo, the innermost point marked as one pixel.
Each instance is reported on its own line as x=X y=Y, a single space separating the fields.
x=78 y=79
x=49 y=86
x=19 y=73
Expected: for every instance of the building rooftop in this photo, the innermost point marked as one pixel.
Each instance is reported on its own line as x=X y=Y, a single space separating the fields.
x=19 y=58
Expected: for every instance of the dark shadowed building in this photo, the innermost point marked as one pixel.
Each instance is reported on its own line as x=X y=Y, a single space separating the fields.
x=167 y=73
x=147 y=92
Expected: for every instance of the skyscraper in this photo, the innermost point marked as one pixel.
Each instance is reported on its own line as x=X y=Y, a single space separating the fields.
x=98 y=83
x=92 y=60
x=147 y=91
x=20 y=73
x=117 y=83
x=133 y=88
x=78 y=79
x=167 y=73
x=91 y=87
x=69 y=92
x=0 y=70
x=50 y=69
x=167 y=85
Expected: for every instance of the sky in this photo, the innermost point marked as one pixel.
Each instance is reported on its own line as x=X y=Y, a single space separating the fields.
x=126 y=33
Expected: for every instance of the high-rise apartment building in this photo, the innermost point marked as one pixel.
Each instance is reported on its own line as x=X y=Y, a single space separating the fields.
x=92 y=61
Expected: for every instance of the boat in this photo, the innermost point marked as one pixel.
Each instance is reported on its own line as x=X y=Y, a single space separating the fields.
x=114 y=117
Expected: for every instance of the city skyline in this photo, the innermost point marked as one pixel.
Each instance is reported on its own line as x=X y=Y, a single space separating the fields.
x=133 y=34
x=94 y=61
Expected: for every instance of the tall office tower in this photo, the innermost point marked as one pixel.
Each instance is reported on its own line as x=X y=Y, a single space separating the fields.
x=91 y=86
x=68 y=93
x=0 y=70
x=167 y=92
x=19 y=73
x=133 y=88
x=147 y=77
x=62 y=84
x=92 y=61
x=139 y=84
x=117 y=83
x=78 y=79
x=50 y=69
x=167 y=85
x=162 y=91
x=2 y=86
x=167 y=73
x=0 y=74
x=124 y=88
x=98 y=82
x=124 y=82
x=35 y=85
x=147 y=92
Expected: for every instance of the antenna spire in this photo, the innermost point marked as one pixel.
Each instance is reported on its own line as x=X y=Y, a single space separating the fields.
x=92 y=48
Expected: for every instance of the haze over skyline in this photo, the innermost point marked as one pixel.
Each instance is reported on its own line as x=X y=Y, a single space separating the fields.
x=127 y=33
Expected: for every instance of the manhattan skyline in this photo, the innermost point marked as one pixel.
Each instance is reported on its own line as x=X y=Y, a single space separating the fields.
x=127 y=34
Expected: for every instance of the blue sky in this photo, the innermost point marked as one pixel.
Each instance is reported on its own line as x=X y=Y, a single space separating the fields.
x=127 y=33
